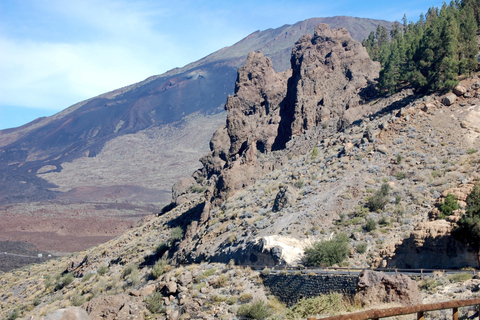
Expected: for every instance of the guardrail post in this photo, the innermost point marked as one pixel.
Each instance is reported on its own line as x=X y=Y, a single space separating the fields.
x=455 y=313
x=420 y=315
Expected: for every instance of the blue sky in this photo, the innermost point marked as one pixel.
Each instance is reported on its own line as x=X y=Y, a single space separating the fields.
x=55 y=53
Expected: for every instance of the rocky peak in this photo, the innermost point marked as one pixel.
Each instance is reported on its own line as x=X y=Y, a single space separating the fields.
x=331 y=75
x=328 y=81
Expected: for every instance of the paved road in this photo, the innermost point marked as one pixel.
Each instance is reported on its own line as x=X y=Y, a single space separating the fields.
x=19 y=255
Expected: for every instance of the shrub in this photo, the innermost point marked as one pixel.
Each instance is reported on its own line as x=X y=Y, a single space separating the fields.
x=379 y=199
x=460 y=277
x=398 y=198
x=13 y=314
x=78 y=300
x=217 y=298
x=154 y=303
x=383 y=221
x=399 y=158
x=370 y=225
x=471 y=150
x=327 y=252
x=449 y=205
x=321 y=305
x=209 y=272
x=102 y=270
x=221 y=282
x=299 y=183
x=314 y=152
x=256 y=310
x=400 y=175
x=362 y=248
x=36 y=301
x=266 y=271
x=159 y=268
x=64 y=281
x=361 y=211
x=128 y=270
x=245 y=297
x=176 y=234
x=232 y=300
x=87 y=276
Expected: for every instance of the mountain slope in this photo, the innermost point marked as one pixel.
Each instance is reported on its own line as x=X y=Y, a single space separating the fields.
x=83 y=129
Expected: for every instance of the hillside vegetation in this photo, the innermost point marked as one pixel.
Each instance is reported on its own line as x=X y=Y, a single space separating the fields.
x=430 y=53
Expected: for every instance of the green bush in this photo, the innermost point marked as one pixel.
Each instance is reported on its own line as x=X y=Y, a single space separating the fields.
x=460 y=277
x=362 y=248
x=14 y=314
x=299 y=183
x=232 y=300
x=102 y=270
x=400 y=175
x=64 y=281
x=370 y=225
x=383 y=221
x=379 y=199
x=321 y=305
x=78 y=300
x=87 y=276
x=161 y=248
x=154 y=303
x=449 y=205
x=255 y=310
x=209 y=272
x=176 y=234
x=128 y=270
x=159 y=268
x=314 y=152
x=245 y=297
x=399 y=158
x=266 y=271
x=471 y=150
x=327 y=252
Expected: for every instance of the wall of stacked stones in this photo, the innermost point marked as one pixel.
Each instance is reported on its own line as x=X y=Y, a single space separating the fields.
x=290 y=288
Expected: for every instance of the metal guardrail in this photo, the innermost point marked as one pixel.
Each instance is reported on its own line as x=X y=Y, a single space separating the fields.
x=343 y=270
x=419 y=309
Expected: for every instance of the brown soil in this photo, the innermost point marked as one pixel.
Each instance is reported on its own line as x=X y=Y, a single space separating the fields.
x=62 y=228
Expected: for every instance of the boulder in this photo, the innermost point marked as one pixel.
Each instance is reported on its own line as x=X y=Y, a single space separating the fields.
x=120 y=306
x=180 y=188
x=285 y=196
x=70 y=313
x=449 y=99
x=376 y=288
x=459 y=90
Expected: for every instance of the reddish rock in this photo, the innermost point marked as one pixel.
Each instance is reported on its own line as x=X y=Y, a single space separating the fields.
x=377 y=288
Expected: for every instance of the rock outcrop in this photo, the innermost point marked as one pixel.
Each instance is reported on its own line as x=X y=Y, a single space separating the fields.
x=252 y=123
x=377 y=288
x=430 y=246
x=70 y=313
x=330 y=77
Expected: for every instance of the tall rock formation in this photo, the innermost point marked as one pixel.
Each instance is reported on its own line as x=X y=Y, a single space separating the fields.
x=253 y=117
x=332 y=74
x=328 y=81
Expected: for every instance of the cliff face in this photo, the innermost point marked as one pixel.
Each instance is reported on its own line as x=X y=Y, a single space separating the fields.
x=331 y=76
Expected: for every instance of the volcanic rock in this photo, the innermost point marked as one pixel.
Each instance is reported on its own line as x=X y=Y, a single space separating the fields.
x=377 y=288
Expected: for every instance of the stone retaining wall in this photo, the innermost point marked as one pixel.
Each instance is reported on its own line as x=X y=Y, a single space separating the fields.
x=290 y=288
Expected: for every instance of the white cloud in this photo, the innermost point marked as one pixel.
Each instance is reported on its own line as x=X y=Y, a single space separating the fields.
x=124 y=48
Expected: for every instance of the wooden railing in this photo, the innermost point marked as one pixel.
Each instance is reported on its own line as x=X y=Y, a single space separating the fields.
x=419 y=309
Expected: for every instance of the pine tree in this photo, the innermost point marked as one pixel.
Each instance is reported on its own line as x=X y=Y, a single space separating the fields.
x=468 y=48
